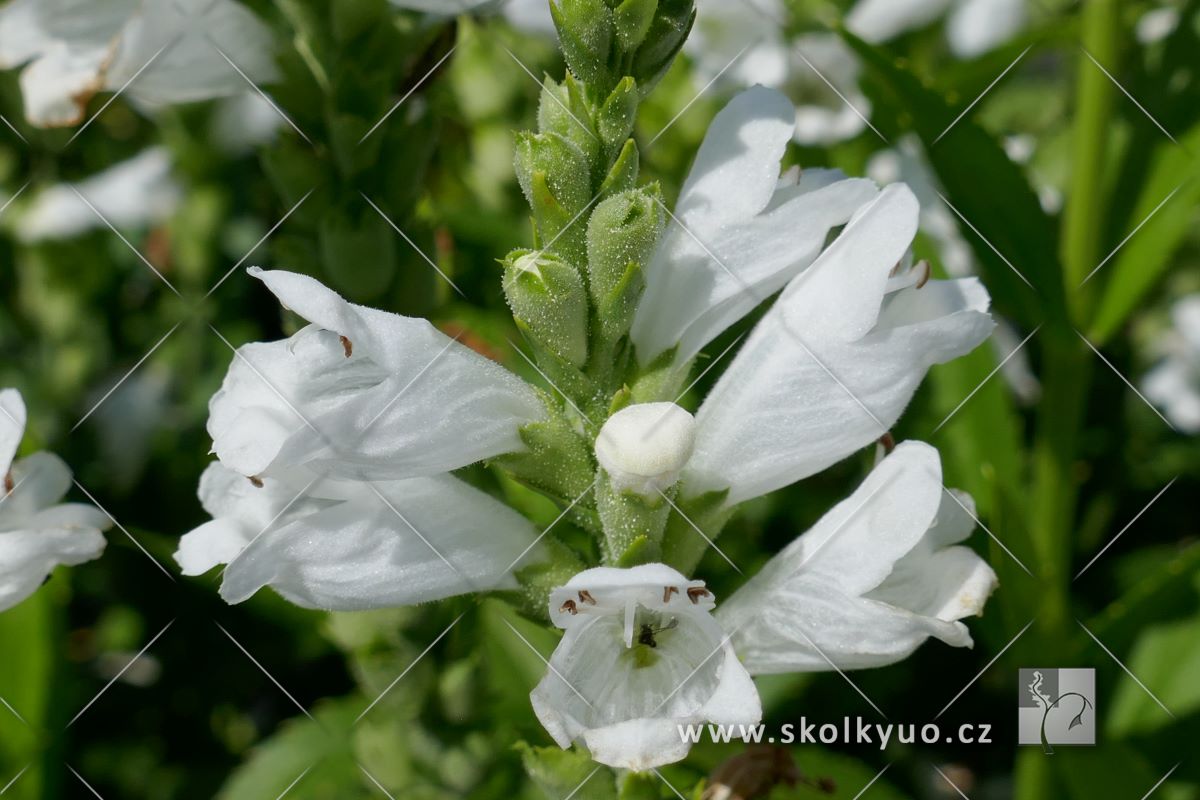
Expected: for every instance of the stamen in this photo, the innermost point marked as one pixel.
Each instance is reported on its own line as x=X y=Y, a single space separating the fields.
x=668 y=591
x=630 y=612
x=923 y=265
x=888 y=441
x=257 y=481
x=9 y=485
x=347 y=345
x=586 y=597
x=694 y=593
x=569 y=607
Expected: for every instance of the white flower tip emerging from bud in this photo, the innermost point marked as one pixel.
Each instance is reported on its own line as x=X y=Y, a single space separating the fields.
x=529 y=263
x=644 y=447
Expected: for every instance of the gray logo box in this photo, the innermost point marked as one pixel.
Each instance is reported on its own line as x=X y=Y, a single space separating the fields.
x=1056 y=707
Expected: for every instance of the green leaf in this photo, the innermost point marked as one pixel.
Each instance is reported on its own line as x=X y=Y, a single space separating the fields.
x=981 y=184
x=26 y=686
x=322 y=745
x=511 y=666
x=567 y=773
x=1167 y=207
x=1167 y=659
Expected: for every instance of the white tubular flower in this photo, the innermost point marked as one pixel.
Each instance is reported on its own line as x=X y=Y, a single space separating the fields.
x=644 y=447
x=873 y=579
x=973 y=27
x=763 y=230
x=641 y=655
x=1174 y=384
x=137 y=192
x=362 y=394
x=740 y=42
x=833 y=364
x=37 y=533
x=349 y=546
x=76 y=49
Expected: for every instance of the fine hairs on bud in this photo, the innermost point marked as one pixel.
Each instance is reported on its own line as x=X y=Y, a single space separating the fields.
x=644 y=447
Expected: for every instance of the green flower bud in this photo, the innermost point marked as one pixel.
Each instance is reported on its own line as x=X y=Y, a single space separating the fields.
x=548 y=299
x=632 y=19
x=672 y=22
x=564 y=110
x=555 y=177
x=586 y=32
x=618 y=114
x=621 y=237
x=624 y=171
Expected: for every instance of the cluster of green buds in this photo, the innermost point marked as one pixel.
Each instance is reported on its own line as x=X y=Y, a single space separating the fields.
x=574 y=295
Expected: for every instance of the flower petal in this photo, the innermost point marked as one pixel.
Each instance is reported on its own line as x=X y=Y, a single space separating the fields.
x=373 y=396
x=880 y=20
x=417 y=540
x=39 y=480
x=27 y=557
x=977 y=26
x=832 y=366
x=12 y=427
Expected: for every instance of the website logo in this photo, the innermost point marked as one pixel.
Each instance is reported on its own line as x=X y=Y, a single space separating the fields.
x=1056 y=706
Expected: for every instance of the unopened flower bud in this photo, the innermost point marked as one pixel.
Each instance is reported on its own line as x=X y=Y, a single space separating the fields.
x=621 y=237
x=644 y=447
x=547 y=297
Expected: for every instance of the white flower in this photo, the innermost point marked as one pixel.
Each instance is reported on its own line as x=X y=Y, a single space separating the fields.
x=1174 y=384
x=363 y=394
x=137 y=192
x=641 y=655
x=349 y=545
x=74 y=50
x=973 y=27
x=875 y=577
x=335 y=447
x=835 y=361
x=742 y=230
x=36 y=532
x=644 y=446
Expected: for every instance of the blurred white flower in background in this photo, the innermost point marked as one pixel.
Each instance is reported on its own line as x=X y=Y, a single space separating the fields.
x=640 y=656
x=37 y=533
x=973 y=27
x=1174 y=384
x=335 y=449
x=159 y=52
x=138 y=192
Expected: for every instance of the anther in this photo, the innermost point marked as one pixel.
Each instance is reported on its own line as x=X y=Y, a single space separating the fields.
x=668 y=591
x=9 y=485
x=923 y=265
x=569 y=607
x=694 y=593
x=347 y=345
x=586 y=597
x=257 y=481
x=888 y=441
